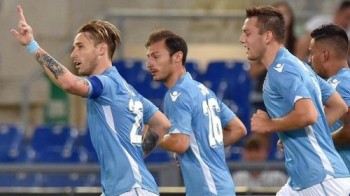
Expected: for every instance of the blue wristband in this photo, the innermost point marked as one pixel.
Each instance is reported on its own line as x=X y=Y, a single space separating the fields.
x=32 y=47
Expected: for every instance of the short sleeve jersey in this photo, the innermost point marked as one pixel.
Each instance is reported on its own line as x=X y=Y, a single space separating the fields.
x=309 y=151
x=195 y=111
x=116 y=114
x=341 y=83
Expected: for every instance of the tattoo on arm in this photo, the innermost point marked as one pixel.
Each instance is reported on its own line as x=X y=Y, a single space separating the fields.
x=82 y=79
x=149 y=142
x=55 y=67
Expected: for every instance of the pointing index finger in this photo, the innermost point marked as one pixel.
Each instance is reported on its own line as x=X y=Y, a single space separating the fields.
x=21 y=15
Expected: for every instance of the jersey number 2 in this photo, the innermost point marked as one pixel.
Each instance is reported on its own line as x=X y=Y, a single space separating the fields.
x=136 y=108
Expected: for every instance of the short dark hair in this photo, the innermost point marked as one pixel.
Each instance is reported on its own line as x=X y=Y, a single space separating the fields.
x=344 y=5
x=269 y=19
x=255 y=143
x=173 y=42
x=335 y=35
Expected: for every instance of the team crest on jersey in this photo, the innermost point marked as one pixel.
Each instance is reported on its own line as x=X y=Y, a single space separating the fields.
x=174 y=95
x=279 y=67
x=334 y=82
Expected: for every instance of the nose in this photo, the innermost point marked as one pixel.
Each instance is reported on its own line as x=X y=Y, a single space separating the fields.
x=149 y=64
x=242 y=39
x=73 y=54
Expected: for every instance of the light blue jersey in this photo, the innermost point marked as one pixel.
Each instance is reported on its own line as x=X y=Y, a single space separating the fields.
x=194 y=110
x=341 y=82
x=309 y=152
x=116 y=114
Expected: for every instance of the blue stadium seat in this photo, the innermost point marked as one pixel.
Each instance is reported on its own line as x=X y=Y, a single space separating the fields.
x=11 y=143
x=237 y=94
x=70 y=180
x=192 y=67
x=54 y=143
x=21 y=180
x=132 y=70
x=216 y=77
x=84 y=144
x=159 y=156
x=231 y=83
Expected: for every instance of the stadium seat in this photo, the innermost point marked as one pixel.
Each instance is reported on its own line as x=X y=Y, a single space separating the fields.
x=135 y=73
x=85 y=146
x=192 y=67
x=132 y=70
x=21 y=180
x=54 y=143
x=12 y=143
x=70 y=180
x=231 y=83
x=216 y=77
x=158 y=156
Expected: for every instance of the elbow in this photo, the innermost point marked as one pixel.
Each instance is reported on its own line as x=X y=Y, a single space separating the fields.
x=181 y=150
x=243 y=131
x=67 y=87
x=182 y=146
x=344 y=109
x=166 y=127
x=310 y=117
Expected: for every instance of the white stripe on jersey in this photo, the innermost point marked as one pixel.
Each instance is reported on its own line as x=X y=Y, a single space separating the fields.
x=208 y=177
x=109 y=117
x=325 y=162
x=134 y=166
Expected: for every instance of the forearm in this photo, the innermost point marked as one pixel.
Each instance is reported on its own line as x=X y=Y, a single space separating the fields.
x=289 y=123
x=174 y=143
x=303 y=114
x=231 y=138
x=154 y=131
x=52 y=68
x=233 y=131
x=60 y=75
x=150 y=142
x=342 y=136
x=334 y=108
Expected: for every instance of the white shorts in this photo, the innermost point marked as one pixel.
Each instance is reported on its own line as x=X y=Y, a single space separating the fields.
x=329 y=187
x=137 y=192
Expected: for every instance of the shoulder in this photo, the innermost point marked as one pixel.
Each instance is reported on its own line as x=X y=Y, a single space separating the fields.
x=340 y=81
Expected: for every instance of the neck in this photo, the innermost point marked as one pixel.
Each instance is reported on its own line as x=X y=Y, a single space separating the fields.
x=334 y=67
x=171 y=81
x=270 y=54
x=102 y=66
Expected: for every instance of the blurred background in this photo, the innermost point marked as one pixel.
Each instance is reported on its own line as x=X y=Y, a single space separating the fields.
x=44 y=143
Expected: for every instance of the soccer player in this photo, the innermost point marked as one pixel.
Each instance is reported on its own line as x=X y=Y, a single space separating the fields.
x=294 y=97
x=201 y=124
x=116 y=112
x=328 y=55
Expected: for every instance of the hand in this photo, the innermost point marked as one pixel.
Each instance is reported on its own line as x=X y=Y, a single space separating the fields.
x=260 y=122
x=177 y=160
x=24 y=34
x=280 y=145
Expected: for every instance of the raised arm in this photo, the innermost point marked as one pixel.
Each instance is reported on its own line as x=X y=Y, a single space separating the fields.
x=58 y=73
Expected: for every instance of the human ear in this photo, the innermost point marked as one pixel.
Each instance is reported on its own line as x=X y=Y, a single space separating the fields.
x=102 y=49
x=178 y=56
